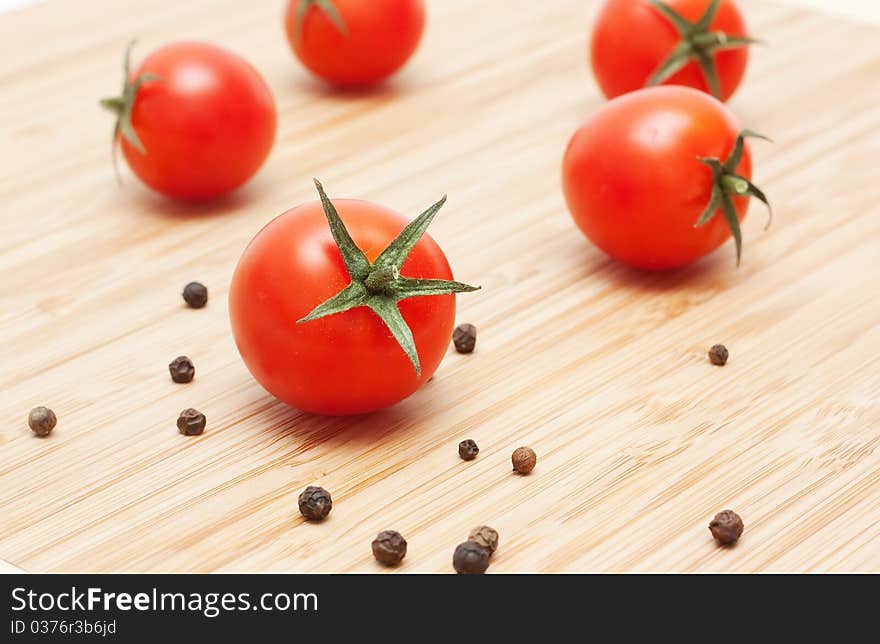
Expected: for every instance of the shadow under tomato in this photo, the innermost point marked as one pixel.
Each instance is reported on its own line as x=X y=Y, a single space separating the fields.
x=156 y=204
x=310 y=430
x=716 y=271
x=386 y=90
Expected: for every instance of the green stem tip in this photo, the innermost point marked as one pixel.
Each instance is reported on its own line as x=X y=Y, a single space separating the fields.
x=379 y=285
x=380 y=279
x=734 y=184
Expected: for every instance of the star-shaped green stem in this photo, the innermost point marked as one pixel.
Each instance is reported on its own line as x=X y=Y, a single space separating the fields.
x=122 y=105
x=379 y=285
x=697 y=43
x=727 y=184
x=327 y=6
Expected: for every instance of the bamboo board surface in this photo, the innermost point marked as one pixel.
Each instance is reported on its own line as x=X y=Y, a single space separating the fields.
x=600 y=369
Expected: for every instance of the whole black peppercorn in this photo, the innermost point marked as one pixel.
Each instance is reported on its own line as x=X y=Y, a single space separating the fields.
x=468 y=450
x=465 y=338
x=195 y=294
x=191 y=422
x=182 y=369
x=718 y=355
x=470 y=558
x=486 y=537
x=389 y=547
x=42 y=421
x=726 y=527
x=523 y=459
x=315 y=503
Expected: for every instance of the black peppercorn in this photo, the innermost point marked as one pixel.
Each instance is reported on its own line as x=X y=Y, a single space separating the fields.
x=182 y=369
x=465 y=338
x=726 y=527
x=315 y=503
x=389 y=547
x=718 y=355
x=42 y=421
x=486 y=537
x=195 y=294
x=470 y=558
x=468 y=450
x=523 y=459
x=191 y=422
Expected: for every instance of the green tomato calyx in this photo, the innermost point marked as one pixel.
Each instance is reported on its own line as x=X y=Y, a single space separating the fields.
x=697 y=43
x=726 y=184
x=122 y=105
x=379 y=285
x=327 y=6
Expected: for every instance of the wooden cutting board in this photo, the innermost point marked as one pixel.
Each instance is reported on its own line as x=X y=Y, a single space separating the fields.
x=601 y=369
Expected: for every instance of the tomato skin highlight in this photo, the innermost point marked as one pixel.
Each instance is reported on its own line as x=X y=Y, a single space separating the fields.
x=343 y=364
x=207 y=125
x=381 y=36
x=633 y=182
x=631 y=39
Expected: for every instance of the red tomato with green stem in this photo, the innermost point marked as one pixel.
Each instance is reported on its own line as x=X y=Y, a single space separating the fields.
x=194 y=121
x=698 y=43
x=345 y=319
x=354 y=42
x=659 y=177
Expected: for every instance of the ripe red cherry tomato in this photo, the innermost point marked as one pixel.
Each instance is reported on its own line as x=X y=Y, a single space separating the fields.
x=636 y=186
x=632 y=39
x=195 y=121
x=354 y=42
x=348 y=362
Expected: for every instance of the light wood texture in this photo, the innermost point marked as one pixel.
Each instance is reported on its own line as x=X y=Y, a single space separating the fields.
x=7 y=568
x=602 y=370
x=860 y=9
